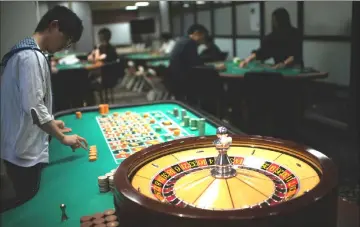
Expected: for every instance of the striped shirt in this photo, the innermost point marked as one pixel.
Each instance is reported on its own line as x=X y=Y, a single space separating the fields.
x=25 y=87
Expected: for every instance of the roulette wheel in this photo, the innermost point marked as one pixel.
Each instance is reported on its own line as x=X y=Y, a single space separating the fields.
x=227 y=180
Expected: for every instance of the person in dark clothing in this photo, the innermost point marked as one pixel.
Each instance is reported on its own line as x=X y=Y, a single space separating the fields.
x=104 y=78
x=184 y=57
x=212 y=52
x=104 y=51
x=283 y=44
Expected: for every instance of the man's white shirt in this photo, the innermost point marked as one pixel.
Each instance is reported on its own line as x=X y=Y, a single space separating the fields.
x=25 y=86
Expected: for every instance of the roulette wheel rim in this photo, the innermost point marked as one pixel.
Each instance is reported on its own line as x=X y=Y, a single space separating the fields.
x=129 y=166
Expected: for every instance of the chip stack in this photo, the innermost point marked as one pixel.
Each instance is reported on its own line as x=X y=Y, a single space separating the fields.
x=201 y=126
x=186 y=121
x=103 y=182
x=183 y=114
x=176 y=112
x=111 y=183
x=93 y=153
x=106 y=108
x=105 y=219
x=113 y=171
x=102 y=109
x=78 y=115
x=193 y=124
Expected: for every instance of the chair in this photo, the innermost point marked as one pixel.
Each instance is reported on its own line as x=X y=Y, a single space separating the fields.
x=110 y=75
x=205 y=89
x=224 y=56
x=263 y=107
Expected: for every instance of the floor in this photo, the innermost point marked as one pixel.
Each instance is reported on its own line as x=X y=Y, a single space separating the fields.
x=331 y=141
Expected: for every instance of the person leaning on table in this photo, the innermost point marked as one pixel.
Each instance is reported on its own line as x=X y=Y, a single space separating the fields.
x=283 y=44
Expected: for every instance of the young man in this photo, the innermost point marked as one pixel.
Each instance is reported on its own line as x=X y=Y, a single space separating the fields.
x=283 y=44
x=184 y=57
x=167 y=43
x=26 y=103
x=212 y=52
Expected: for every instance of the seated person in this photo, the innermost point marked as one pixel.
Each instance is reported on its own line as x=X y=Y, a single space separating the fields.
x=283 y=44
x=104 y=51
x=184 y=57
x=212 y=52
x=167 y=43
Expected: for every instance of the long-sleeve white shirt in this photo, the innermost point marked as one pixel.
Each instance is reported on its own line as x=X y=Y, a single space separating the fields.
x=168 y=46
x=25 y=86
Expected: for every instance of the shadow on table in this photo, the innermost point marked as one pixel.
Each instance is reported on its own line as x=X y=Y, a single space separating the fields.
x=65 y=160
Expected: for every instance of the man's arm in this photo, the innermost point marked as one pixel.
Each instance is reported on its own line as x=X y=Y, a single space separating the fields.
x=32 y=94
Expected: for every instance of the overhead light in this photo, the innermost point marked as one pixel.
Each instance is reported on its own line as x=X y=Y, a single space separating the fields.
x=131 y=7
x=200 y=2
x=186 y=5
x=142 y=3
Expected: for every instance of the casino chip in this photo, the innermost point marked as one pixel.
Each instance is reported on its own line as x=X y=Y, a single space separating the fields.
x=98 y=221
x=112 y=224
x=109 y=212
x=86 y=224
x=111 y=183
x=86 y=219
x=103 y=184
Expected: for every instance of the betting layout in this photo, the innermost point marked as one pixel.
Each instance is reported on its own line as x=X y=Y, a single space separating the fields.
x=266 y=177
x=130 y=132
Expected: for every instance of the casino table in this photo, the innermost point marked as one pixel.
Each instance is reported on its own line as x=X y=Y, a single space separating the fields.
x=233 y=71
x=81 y=65
x=71 y=179
x=146 y=57
x=60 y=55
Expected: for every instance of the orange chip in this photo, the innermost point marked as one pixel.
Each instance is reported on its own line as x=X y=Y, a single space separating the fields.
x=146 y=115
x=101 y=109
x=78 y=115
x=106 y=108
x=176 y=132
x=92 y=158
x=152 y=121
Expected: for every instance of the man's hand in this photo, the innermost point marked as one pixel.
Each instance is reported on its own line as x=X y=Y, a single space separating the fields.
x=220 y=67
x=243 y=64
x=75 y=142
x=279 y=66
x=61 y=125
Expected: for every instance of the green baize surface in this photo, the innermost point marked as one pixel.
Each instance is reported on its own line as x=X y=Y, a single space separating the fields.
x=72 y=180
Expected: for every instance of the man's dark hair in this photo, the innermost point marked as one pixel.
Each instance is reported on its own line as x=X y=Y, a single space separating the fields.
x=197 y=28
x=69 y=23
x=166 y=36
x=106 y=33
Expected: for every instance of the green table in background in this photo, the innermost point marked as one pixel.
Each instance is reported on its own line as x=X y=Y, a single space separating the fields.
x=72 y=180
x=146 y=57
x=233 y=70
x=60 y=55
x=79 y=65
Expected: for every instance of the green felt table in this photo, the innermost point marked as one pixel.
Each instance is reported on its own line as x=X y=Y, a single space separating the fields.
x=233 y=70
x=146 y=57
x=71 y=179
x=80 y=65
x=63 y=54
